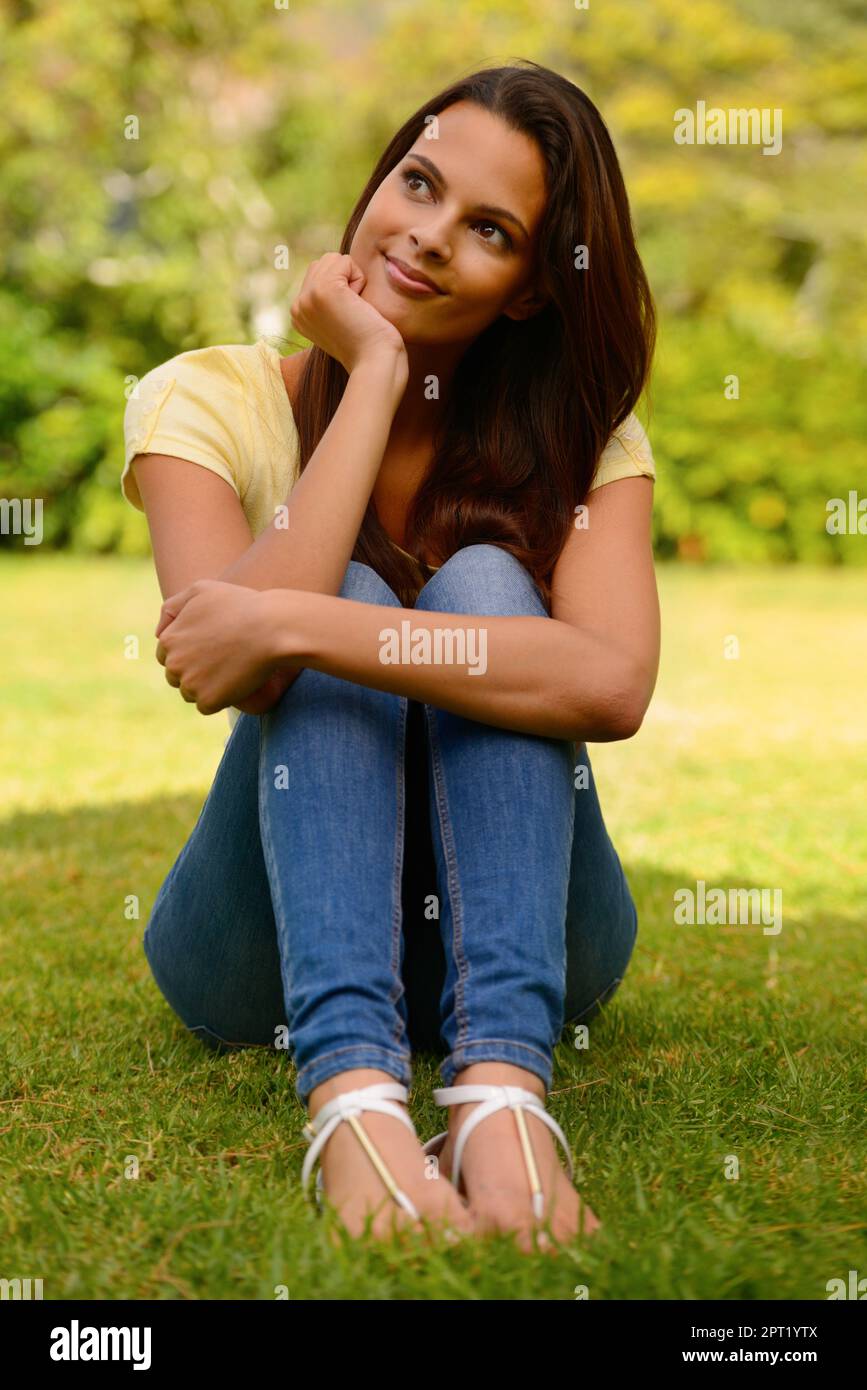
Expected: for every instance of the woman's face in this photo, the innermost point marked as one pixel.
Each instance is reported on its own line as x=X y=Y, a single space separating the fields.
x=435 y=213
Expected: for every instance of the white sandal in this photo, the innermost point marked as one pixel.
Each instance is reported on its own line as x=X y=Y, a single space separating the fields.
x=348 y=1106
x=495 y=1098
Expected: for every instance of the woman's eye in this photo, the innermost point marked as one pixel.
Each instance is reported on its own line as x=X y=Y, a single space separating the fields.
x=497 y=228
x=411 y=175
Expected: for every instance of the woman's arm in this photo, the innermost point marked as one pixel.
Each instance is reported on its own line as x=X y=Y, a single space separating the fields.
x=587 y=672
x=324 y=510
x=197 y=524
x=318 y=530
x=199 y=531
x=533 y=674
x=604 y=581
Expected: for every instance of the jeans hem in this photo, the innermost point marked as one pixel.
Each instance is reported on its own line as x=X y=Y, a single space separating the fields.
x=312 y=1074
x=497 y=1050
x=595 y=1005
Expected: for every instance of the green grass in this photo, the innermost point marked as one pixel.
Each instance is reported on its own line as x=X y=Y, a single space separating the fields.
x=721 y=1041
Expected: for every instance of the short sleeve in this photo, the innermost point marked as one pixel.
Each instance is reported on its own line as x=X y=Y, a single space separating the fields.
x=191 y=408
x=626 y=455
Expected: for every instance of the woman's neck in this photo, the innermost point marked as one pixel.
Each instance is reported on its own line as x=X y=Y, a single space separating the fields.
x=431 y=372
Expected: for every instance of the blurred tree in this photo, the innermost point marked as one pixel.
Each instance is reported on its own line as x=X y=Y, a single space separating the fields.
x=154 y=158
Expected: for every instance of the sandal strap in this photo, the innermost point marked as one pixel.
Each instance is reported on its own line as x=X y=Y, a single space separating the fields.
x=348 y=1106
x=494 y=1098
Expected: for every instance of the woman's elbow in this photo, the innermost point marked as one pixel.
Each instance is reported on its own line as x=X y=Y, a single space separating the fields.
x=626 y=703
x=618 y=722
x=628 y=724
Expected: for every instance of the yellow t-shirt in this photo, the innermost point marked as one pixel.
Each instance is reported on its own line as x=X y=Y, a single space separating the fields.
x=226 y=408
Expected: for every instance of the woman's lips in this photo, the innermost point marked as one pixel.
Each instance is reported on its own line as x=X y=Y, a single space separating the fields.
x=402 y=282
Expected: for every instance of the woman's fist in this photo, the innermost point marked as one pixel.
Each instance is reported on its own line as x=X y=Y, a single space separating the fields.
x=218 y=642
x=330 y=312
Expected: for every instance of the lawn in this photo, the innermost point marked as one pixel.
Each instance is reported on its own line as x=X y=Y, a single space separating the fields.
x=724 y=1042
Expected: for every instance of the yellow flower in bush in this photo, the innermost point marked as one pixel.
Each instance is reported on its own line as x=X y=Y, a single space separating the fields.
x=767 y=510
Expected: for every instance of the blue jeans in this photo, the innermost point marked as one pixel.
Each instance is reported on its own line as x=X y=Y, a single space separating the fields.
x=291 y=914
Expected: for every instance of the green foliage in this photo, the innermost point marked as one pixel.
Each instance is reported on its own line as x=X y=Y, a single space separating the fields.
x=748 y=479
x=153 y=160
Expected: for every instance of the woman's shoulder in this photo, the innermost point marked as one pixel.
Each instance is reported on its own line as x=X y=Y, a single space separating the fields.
x=206 y=381
x=224 y=362
x=627 y=454
x=194 y=406
x=291 y=369
x=221 y=384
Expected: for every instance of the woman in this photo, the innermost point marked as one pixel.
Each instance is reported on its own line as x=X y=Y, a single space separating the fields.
x=435 y=519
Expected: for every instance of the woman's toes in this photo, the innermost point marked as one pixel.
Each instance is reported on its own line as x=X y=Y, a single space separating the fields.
x=446 y=1210
x=355 y=1191
x=588 y=1221
x=495 y=1177
x=508 y=1208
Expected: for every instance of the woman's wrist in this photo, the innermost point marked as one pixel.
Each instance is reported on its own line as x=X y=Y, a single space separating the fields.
x=287 y=615
x=385 y=371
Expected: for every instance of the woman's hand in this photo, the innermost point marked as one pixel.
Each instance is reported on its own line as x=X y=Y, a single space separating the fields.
x=217 y=643
x=269 y=693
x=330 y=312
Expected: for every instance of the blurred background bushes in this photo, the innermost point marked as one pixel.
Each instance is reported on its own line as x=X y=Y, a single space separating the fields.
x=255 y=128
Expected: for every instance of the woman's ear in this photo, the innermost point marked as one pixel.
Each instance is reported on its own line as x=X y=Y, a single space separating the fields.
x=526 y=305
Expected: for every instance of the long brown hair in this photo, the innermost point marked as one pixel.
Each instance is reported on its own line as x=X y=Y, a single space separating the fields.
x=532 y=403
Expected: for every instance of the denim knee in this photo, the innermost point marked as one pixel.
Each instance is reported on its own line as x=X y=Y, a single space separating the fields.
x=366 y=586
x=595 y=1006
x=483 y=579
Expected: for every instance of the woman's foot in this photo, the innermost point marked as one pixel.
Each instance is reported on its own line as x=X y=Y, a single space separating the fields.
x=494 y=1174
x=352 y=1185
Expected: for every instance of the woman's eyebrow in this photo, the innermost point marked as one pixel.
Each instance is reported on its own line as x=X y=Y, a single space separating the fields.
x=487 y=208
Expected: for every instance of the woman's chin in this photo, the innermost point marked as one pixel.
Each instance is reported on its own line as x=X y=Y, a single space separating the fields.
x=390 y=305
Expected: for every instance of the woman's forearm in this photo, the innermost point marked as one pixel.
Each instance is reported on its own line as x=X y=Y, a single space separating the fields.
x=532 y=674
x=311 y=541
